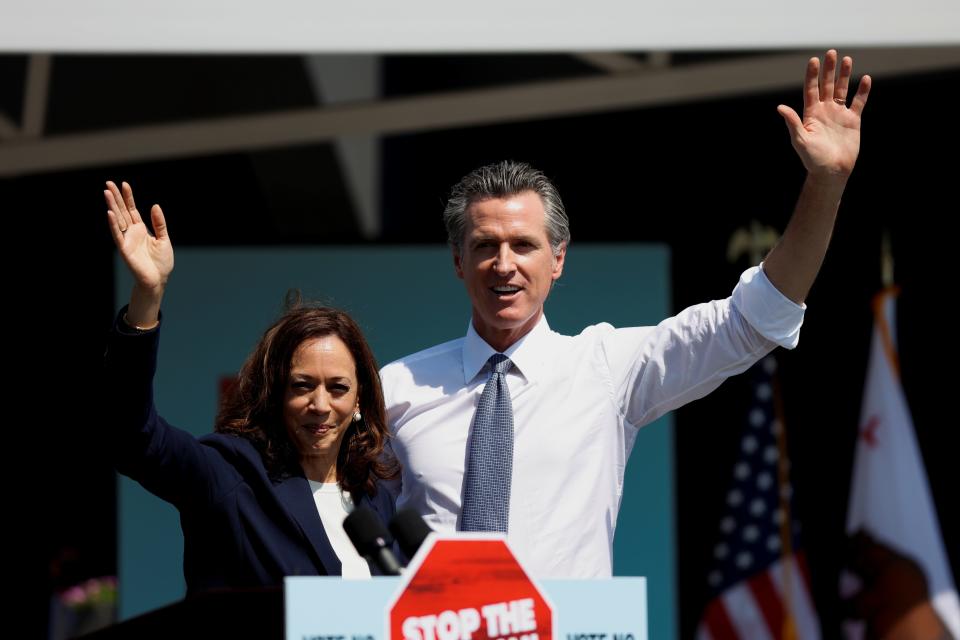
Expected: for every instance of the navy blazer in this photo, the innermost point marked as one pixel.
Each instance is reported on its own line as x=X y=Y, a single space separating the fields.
x=240 y=527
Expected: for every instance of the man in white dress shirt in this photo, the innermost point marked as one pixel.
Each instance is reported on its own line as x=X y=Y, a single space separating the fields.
x=578 y=401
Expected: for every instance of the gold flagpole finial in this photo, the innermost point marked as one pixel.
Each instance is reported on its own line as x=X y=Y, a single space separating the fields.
x=754 y=241
x=886 y=260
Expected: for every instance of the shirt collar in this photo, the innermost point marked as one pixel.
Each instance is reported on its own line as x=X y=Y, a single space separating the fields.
x=528 y=354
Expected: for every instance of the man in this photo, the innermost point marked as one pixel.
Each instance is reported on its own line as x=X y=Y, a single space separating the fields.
x=519 y=429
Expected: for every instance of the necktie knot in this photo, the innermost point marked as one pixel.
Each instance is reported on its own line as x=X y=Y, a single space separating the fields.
x=499 y=363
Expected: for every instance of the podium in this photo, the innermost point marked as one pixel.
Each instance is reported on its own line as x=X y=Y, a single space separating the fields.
x=456 y=588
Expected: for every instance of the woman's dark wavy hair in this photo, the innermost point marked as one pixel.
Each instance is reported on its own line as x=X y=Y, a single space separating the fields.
x=253 y=407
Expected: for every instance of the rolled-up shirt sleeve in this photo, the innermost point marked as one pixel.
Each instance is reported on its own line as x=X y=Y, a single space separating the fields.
x=654 y=370
x=772 y=314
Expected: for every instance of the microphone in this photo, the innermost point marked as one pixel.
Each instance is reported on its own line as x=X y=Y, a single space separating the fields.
x=410 y=531
x=371 y=540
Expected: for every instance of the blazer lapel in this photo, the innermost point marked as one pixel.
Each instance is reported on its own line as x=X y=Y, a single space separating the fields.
x=294 y=492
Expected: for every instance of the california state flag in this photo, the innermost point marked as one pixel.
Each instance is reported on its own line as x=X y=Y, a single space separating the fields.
x=889 y=497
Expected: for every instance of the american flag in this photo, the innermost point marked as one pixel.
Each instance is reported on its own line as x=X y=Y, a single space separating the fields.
x=758 y=583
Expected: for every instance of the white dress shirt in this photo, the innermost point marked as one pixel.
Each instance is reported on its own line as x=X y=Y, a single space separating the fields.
x=334 y=505
x=578 y=402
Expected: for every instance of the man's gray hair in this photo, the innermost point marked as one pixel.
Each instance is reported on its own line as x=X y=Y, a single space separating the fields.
x=502 y=180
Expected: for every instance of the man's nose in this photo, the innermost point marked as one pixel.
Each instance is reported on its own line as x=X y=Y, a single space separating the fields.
x=504 y=263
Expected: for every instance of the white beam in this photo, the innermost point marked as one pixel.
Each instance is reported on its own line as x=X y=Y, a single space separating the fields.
x=450 y=110
x=612 y=62
x=35 y=95
x=659 y=59
x=7 y=128
x=343 y=79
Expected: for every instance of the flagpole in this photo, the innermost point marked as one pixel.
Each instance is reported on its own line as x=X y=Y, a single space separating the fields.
x=789 y=631
x=890 y=494
x=755 y=241
x=889 y=289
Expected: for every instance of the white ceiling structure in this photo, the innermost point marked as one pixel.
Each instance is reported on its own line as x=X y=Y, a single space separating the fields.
x=390 y=26
x=887 y=38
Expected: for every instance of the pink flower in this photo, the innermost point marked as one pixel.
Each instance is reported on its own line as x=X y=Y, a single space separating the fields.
x=93 y=592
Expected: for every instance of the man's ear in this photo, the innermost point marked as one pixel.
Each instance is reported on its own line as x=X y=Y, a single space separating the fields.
x=558 y=260
x=458 y=264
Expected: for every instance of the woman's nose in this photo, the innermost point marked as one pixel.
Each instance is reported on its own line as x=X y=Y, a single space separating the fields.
x=319 y=400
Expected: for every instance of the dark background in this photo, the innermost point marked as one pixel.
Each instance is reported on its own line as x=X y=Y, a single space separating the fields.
x=685 y=175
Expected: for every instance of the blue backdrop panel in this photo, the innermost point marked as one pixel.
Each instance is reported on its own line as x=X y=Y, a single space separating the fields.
x=405 y=298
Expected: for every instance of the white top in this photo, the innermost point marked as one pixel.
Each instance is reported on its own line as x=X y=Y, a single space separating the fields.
x=578 y=402
x=334 y=506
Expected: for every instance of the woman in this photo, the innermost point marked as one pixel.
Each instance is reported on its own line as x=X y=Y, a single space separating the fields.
x=299 y=439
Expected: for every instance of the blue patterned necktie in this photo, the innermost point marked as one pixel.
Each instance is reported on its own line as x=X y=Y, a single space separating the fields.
x=486 y=484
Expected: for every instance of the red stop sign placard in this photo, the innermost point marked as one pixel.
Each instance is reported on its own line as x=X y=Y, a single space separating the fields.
x=469 y=588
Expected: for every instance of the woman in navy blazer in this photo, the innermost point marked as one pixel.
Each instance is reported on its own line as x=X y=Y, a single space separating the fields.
x=298 y=442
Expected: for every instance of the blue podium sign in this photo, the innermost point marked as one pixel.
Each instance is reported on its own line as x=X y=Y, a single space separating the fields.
x=465 y=588
x=323 y=608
